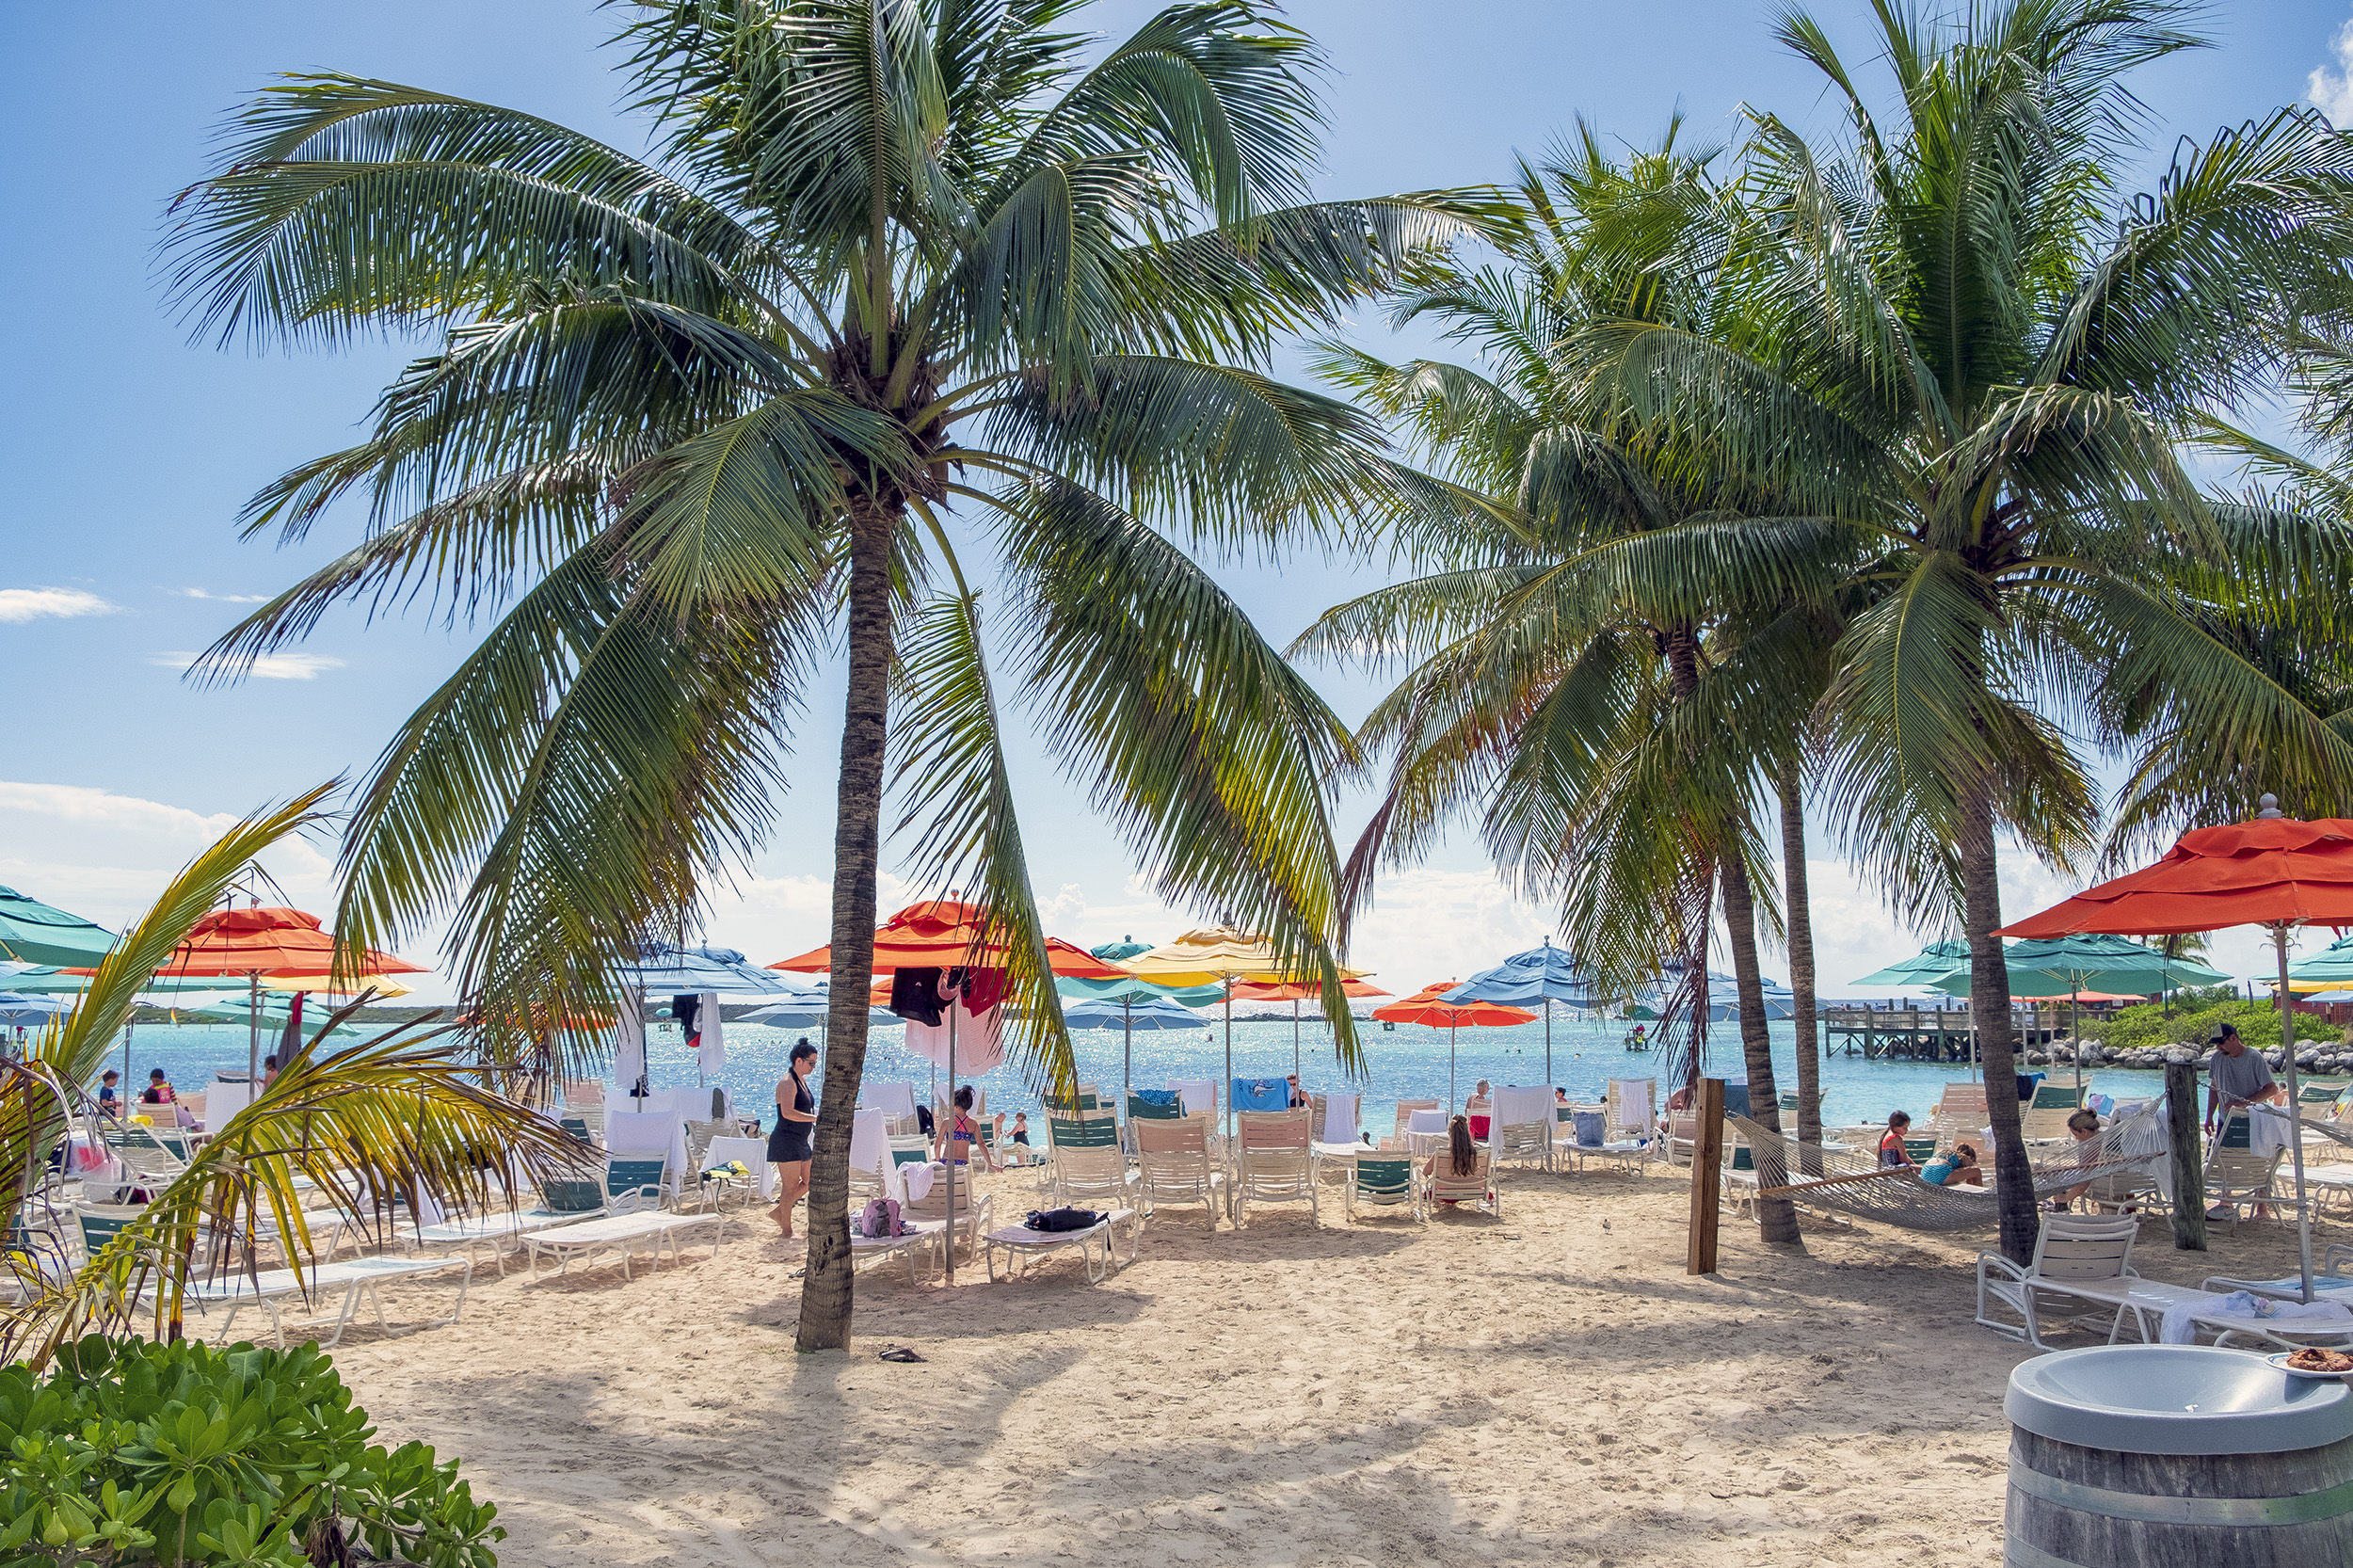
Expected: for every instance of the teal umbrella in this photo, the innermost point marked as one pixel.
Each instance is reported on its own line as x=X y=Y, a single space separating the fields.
x=2046 y=967
x=1925 y=968
x=1095 y=999
x=33 y=933
x=2332 y=965
x=42 y=980
x=275 y=1013
x=1137 y=992
x=1112 y=953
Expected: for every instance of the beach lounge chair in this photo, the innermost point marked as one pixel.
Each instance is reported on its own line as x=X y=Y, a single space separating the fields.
x=356 y=1278
x=2044 y=1119
x=631 y=1184
x=1338 y=1120
x=1633 y=1107
x=1520 y=1125
x=2328 y=1280
x=1383 y=1181
x=1405 y=1109
x=1442 y=1186
x=626 y=1234
x=2082 y=1272
x=501 y=1231
x=916 y=1236
x=2239 y=1175
x=1274 y=1161
x=972 y=1216
x=1174 y=1166
x=1960 y=1116
x=1585 y=1136
x=1089 y=1169
x=1019 y=1244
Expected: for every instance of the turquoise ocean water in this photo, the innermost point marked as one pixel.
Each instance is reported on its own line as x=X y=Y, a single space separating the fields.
x=1410 y=1062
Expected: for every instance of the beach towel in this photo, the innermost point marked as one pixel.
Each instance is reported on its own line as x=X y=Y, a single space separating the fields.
x=1199 y=1095
x=870 y=1145
x=1340 y=1118
x=892 y=1099
x=629 y=1044
x=1592 y=1128
x=1425 y=1121
x=2179 y=1326
x=1261 y=1094
x=1516 y=1105
x=709 y=1043
x=1156 y=1096
x=979 y=1041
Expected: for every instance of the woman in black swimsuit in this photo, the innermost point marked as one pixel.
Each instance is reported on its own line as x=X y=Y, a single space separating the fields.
x=787 y=1146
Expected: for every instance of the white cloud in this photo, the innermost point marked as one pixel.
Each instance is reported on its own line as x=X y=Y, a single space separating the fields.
x=219 y=599
x=2332 y=89
x=70 y=803
x=268 y=667
x=22 y=604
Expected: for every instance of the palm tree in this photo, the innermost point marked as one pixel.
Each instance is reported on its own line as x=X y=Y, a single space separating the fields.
x=1598 y=703
x=893 y=259
x=394 y=1114
x=1984 y=356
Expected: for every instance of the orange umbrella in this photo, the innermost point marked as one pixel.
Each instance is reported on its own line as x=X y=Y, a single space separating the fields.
x=2274 y=871
x=941 y=934
x=1424 y=1007
x=269 y=942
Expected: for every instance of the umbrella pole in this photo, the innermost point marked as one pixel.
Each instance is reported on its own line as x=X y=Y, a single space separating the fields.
x=1449 y=1068
x=952 y=1141
x=1128 y=1056
x=1226 y=1088
x=1547 y=1043
x=1296 y=1069
x=2296 y=1112
x=253 y=1036
x=2075 y=1042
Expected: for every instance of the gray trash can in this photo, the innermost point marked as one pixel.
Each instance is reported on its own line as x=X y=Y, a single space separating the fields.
x=2163 y=1456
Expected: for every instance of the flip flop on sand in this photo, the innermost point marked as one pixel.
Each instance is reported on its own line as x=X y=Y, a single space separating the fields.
x=899 y=1353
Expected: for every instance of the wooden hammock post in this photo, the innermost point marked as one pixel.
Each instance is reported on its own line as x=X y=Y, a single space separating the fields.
x=2189 y=1166
x=1708 y=1160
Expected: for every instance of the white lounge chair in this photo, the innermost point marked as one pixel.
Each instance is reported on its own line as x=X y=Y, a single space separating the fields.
x=500 y=1230
x=916 y=1236
x=621 y=1233
x=1479 y=1189
x=354 y=1277
x=1274 y=1161
x=1520 y=1125
x=1088 y=1169
x=1173 y=1165
x=1020 y=1245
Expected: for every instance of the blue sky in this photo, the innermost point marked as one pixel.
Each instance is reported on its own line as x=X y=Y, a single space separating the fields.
x=129 y=449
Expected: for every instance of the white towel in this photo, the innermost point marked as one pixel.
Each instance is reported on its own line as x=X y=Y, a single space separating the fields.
x=1636 y=1102
x=1425 y=1121
x=892 y=1099
x=712 y=1049
x=916 y=1179
x=869 y=1146
x=628 y=1042
x=980 y=1042
x=1518 y=1105
x=1340 y=1118
x=1198 y=1095
x=2179 y=1326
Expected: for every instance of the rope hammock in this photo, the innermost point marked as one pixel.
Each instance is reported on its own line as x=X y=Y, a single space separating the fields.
x=1851 y=1181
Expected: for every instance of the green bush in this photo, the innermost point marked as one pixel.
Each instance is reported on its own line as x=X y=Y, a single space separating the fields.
x=2139 y=1028
x=139 y=1452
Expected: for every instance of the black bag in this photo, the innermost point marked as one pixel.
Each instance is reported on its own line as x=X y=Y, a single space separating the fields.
x=924 y=1119
x=1062 y=1218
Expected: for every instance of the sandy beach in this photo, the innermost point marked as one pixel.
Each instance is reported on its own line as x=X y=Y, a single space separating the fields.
x=1546 y=1388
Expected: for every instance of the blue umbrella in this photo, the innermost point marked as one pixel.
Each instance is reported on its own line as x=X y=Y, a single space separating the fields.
x=1534 y=979
x=663 y=967
x=18 y=1008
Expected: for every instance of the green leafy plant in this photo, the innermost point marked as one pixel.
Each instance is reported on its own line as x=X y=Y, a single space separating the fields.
x=138 y=1451
x=2195 y=1013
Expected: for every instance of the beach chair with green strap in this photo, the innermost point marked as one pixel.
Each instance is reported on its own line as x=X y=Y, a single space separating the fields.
x=1173 y=1165
x=633 y=1184
x=1383 y=1183
x=1089 y=1169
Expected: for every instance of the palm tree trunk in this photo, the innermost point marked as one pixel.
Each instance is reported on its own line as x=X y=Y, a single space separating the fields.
x=1798 y=912
x=1776 y=1218
x=825 y=1323
x=1989 y=1007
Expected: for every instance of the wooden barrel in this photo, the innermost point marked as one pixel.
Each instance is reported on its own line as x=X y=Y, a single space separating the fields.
x=2096 y=1508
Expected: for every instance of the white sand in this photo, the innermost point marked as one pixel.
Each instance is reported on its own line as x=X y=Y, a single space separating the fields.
x=1549 y=1387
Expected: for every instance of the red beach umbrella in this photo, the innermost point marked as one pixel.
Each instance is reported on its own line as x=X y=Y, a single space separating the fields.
x=2274 y=871
x=1423 y=1007
x=941 y=934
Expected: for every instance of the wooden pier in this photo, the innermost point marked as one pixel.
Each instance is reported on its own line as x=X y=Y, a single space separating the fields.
x=1931 y=1033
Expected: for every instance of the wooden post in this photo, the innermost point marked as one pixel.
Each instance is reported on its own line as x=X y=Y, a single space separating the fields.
x=1707 y=1164
x=2189 y=1165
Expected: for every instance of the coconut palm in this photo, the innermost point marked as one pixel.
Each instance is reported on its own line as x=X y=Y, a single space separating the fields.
x=1603 y=715
x=695 y=416
x=1983 y=354
x=395 y=1114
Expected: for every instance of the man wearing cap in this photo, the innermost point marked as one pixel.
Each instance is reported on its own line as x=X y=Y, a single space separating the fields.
x=2236 y=1076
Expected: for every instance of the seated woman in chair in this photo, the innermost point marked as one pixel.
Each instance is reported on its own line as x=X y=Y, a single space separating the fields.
x=1462 y=1155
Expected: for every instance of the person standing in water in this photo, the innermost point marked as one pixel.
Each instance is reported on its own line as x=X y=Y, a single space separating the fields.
x=787 y=1146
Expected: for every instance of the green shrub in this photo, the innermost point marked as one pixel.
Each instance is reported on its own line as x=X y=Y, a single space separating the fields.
x=138 y=1453
x=2139 y=1028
